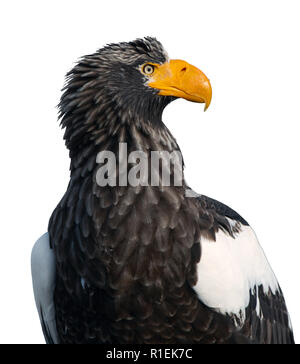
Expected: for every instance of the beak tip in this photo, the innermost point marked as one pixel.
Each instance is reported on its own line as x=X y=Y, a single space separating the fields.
x=207 y=104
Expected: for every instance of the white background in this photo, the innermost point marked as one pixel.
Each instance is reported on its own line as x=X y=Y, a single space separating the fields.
x=244 y=151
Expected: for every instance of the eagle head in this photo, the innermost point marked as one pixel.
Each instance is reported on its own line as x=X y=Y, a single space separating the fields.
x=127 y=82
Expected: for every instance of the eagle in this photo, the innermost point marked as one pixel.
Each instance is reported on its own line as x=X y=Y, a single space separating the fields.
x=142 y=262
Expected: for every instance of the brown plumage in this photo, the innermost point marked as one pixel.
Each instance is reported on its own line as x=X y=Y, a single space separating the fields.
x=126 y=257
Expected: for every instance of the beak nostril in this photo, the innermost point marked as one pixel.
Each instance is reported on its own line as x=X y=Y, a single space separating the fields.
x=184 y=69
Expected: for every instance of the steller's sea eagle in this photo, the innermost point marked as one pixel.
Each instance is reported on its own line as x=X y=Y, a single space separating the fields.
x=145 y=263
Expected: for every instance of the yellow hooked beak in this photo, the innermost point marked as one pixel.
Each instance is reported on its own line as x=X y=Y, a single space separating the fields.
x=181 y=79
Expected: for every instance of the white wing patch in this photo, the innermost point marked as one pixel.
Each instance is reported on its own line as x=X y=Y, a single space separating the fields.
x=230 y=268
x=43 y=270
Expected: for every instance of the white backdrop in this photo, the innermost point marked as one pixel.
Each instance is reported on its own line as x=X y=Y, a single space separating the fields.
x=244 y=151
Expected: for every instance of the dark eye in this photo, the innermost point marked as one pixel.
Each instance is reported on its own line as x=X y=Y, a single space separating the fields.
x=148 y=69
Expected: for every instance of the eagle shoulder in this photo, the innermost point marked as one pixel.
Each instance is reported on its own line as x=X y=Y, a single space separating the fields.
x=236 y=279
x=43 y=269
x=230 y=268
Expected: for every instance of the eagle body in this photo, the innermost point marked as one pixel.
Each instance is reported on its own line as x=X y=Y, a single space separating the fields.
x=144 y=264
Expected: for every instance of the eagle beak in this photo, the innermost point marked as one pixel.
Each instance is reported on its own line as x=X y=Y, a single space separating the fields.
x=181 y=79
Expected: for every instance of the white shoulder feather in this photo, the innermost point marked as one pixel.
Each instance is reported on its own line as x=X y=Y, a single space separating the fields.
x=43 y=279
x=230 y=269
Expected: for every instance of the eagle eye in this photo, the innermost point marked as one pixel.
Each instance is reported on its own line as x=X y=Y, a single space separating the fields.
x=148 y=69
